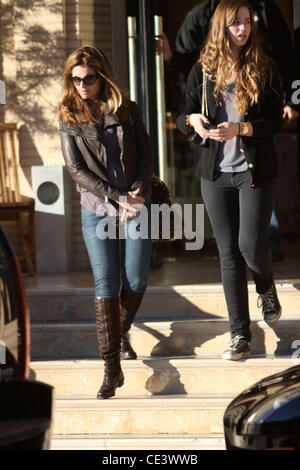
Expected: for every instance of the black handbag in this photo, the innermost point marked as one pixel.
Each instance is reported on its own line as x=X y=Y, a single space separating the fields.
x=161 y=195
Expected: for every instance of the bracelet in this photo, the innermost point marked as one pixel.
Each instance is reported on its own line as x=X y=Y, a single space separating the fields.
x=239 y=133
x=245 y=128
x=187 y=120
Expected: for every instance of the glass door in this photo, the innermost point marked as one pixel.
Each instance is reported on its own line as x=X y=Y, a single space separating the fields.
x=175 y=158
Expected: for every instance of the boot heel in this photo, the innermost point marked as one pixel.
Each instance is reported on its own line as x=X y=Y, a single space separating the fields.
x=121 y=382
x=104 y=396
x=129 y=303
x=127 y=352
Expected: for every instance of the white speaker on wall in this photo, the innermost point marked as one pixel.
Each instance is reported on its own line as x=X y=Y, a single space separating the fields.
x=52 y=191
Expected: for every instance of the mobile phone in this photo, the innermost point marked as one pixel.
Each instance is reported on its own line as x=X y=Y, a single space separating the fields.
x=209 y=126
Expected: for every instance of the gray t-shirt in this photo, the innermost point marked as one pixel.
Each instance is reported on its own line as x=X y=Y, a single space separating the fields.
x=230 y=158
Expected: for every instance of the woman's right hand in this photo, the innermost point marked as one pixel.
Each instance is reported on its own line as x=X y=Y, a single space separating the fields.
x=197 y=120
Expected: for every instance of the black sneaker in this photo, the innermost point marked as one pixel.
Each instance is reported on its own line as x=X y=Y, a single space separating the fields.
x=270 y=305
x=239 y=348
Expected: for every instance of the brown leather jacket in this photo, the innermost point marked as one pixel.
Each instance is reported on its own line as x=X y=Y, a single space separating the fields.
x=86 y=159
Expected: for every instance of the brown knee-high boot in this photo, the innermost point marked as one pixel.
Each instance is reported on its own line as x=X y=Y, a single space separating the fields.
x=109 y=339
x=130 y=303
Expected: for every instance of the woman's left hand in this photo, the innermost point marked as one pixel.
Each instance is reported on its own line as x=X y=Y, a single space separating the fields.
x=224 y=131
x=131 y=207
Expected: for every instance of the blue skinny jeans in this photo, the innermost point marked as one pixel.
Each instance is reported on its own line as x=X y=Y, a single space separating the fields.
x=116 y=262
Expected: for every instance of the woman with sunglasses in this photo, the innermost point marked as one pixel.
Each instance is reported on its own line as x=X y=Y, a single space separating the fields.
x=237 y=163
x=107 y=152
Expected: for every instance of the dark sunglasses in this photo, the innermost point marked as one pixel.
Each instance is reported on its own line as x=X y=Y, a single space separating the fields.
x=87 y=80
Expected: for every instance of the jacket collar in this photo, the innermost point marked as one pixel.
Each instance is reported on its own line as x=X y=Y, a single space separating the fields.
x=111 y=120
x=87 y=130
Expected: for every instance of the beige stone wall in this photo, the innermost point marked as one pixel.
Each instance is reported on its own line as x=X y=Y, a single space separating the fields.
x=70 y=19
x=36 y=36
x=32 y=56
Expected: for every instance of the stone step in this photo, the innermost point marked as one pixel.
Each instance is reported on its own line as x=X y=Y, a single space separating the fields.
x=146 y=442
x=148 y=376
x=160 y=303
x=135 y=415
x=176 y=338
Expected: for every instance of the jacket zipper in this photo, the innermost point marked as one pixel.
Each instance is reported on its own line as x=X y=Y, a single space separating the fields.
x=120 y=134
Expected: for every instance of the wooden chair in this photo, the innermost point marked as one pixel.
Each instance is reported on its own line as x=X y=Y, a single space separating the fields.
x=12 y=205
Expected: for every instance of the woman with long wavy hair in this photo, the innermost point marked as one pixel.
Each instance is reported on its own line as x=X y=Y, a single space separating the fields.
x=108 y=154
x=232 y=110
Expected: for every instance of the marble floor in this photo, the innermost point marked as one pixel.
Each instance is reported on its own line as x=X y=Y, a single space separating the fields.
x=179 y=267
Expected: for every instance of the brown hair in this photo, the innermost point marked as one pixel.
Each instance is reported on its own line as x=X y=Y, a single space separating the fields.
x=73 y=108
x=252 y=67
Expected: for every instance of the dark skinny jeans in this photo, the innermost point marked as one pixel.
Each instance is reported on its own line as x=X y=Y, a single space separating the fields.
x=240 y=218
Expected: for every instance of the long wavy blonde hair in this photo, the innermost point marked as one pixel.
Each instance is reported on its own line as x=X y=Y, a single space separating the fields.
x=111 y=99
x=252 y=68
